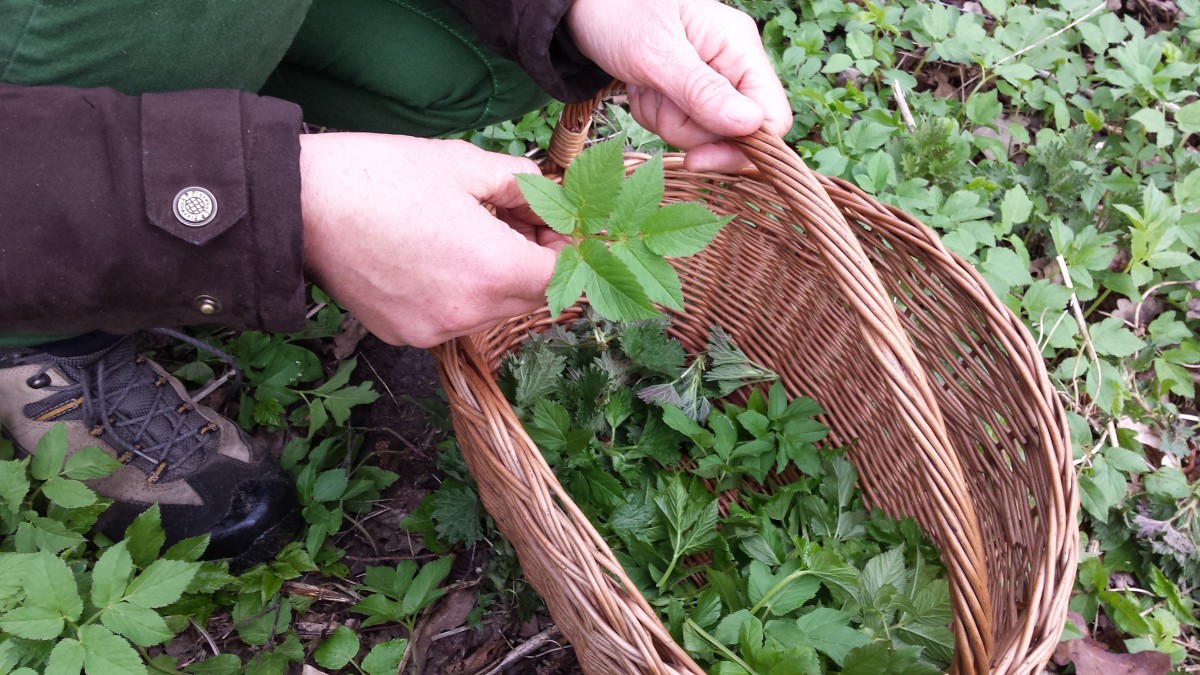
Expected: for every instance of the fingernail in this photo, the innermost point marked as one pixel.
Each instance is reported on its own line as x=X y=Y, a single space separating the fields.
x=741 y=111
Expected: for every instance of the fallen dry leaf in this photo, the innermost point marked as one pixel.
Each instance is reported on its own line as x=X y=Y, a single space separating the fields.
x=1091 y=658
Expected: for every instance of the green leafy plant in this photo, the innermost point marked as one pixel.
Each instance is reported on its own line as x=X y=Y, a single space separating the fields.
x=803 y=579
x=619 y=233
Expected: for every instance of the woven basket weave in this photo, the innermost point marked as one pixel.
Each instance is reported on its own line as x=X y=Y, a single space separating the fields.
x=859 y=306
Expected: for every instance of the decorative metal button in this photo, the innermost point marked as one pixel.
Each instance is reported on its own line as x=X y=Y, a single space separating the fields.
x=207 y=304
x=195 y=206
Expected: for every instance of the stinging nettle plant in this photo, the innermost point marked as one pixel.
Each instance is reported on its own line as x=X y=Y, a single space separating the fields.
x=620 y=235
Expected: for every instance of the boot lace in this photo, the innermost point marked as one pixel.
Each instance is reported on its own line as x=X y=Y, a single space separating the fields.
x=135 y=407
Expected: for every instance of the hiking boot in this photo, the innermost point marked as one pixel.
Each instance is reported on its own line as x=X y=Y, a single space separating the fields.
x=205 y=474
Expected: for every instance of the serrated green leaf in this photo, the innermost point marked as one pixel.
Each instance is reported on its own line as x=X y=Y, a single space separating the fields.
x=330 y=485
x=615 y=291
x=67 y=493
x=190 y=549
x=825 y=628
x=161 y=583
x=45 y=534
x=107 y=654
x=110 y=576
x=32 y=622
x=385 y=657
x=1101 y=489
x=640 y=197
x=1187 y=118
x=549 y=201
x=730 y=627
x=335 y=651
x=983 y=107
x=145 y=537
x=658 y=279
x=340 y=378
x=567 y=282
x=49 y=583
x=317 y=417
x=681 y=229
x=594 y=182
x=783 y=591
x=456 y=511
x=14 y=484
x=1126 y=460
x=1168 y=482
x=877 y=658
x=423 y=589
x=50 y=453
x=1016 y=207
x=66 y=658
x=884 y=569
x=1111 y=338
x=139 y=625
x=90 y=463
x=340 y=402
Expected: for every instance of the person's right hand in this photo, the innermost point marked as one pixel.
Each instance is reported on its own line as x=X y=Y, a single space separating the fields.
x=395 y=231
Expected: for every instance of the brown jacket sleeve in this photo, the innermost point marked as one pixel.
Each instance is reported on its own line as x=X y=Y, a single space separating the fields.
x=531 y=32
x=90 y=237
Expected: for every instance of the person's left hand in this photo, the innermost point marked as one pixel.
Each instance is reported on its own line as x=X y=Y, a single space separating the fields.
x=696 y=71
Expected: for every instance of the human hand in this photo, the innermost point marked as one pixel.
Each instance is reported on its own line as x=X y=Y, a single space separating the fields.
x=395 y=231
x=695 y=70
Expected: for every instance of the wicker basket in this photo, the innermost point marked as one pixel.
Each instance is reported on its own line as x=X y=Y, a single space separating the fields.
x=859 y=306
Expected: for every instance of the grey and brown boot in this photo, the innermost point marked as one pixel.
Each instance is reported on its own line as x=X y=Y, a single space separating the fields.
x=205 y=474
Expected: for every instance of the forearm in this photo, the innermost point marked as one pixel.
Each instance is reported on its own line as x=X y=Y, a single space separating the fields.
x=90 y=234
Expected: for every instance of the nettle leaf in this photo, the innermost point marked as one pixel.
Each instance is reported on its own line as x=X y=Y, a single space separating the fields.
x=594 y=182
x=641 y=196
x=549 y=201
x=681 y=229
x=658 y=279
x=614 y=291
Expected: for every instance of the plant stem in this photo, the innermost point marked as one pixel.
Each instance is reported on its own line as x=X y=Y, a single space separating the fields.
x=720 y=647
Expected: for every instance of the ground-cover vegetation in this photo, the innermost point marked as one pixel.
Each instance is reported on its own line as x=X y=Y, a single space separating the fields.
x=1054 y=145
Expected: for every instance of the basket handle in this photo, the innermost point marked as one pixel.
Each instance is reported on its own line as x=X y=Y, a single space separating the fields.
x=883 y=333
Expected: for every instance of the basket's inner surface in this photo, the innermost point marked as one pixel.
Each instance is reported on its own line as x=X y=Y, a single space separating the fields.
x=764 y=283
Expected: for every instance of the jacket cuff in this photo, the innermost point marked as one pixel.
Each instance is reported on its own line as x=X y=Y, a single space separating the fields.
x=121 y=213
x=227 y=189
x=553 y=61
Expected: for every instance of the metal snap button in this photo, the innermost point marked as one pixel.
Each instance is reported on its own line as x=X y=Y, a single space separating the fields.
x=207 y=304
x=195 y=206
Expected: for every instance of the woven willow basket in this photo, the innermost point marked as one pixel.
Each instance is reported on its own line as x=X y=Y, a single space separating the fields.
x=859 y=306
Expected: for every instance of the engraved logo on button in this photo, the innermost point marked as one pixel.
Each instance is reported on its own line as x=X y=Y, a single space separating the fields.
x=195 y=206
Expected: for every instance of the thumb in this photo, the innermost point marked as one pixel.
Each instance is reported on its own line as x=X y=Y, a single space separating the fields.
x=708 y=97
